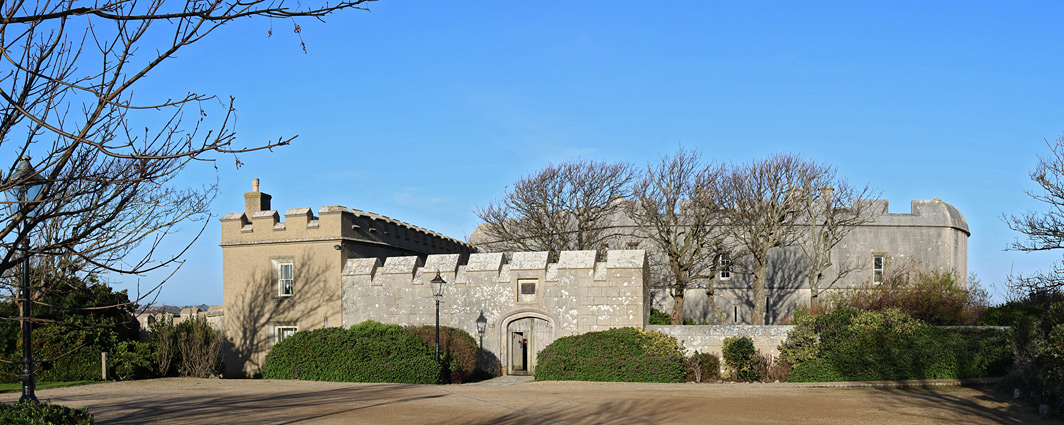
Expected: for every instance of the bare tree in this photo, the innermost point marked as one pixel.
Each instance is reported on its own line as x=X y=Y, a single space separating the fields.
x=832 y=209
x=676 y=210
x=761 y=203
x=569 y=206
x=1044 y=231
x=104 y=160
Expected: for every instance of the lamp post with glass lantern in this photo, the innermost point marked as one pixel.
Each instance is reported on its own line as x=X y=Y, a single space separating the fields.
x=437 y=293
x=28 y=191
x=482 y=325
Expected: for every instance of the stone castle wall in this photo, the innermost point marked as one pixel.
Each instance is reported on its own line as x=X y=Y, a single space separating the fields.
x=575 y=295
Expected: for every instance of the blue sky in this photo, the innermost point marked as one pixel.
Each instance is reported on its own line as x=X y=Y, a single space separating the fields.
x=424 y=110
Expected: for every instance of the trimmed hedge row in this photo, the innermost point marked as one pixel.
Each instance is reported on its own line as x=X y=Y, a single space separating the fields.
x=615 y=355
x=367 y=352
x=43 y=414
x=853 y=345
x=458 y=350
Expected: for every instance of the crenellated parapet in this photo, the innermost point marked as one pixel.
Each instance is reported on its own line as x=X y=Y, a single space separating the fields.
x=259 y=224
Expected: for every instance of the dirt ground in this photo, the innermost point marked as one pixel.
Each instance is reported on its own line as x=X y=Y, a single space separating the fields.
x=509 y=401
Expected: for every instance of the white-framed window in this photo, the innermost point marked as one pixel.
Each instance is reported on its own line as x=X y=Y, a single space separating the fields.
x=284 y=270
x=282 y=332
x=878 y=262
x=724 y=265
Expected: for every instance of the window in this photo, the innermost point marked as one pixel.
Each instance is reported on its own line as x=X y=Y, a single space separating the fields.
x=725 y=268
x=284 y=270
x=877 y=269
x=282 y=332
x=632 y=245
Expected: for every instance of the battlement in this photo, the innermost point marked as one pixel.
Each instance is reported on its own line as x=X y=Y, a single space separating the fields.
x=491 y=267
x=333 y=222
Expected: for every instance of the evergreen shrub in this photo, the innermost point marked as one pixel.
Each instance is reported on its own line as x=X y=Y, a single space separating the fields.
x=458 y=351
x=615 y=355
x=742 y=359
x=43 y=414
x=367 y=352
x=852 y=345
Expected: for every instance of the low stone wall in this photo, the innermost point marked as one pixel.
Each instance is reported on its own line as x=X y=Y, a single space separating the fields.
x=710 y=338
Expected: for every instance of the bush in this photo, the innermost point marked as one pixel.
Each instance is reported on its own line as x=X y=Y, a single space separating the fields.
x=703 y=367
x=615 y=355
x=658 y=317
x=43 y=414
x=1039 y=368
x=851 y=345
x=934 y=297
x=132 y=360
x=62 y=354
x=458 y=350
x=743 y=360
x=367 y=352
x=164 y=341
x=200 y=347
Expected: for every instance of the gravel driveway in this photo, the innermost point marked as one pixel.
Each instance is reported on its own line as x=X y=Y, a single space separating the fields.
x=517 y=401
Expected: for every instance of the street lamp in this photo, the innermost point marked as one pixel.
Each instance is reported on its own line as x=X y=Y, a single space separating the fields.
x=29 y=190
x=482 y=325
x=437 y=293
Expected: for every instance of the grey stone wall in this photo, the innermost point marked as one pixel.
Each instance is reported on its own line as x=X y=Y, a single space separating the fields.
x=710 y=338
x=573 y=296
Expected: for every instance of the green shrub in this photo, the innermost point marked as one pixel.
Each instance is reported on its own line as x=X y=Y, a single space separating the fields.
x=458 y=350
x=62 y=354
x=43 y=414
x=742 y=359
x=703 y=367
x=615 y=355
x=367 y=352
x=132 y=360
x=851 y=345
x=658 y=317
x=1039 y=367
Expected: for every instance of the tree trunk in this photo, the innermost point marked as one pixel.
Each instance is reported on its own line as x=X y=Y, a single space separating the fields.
x=757 y=317
x=677 y=307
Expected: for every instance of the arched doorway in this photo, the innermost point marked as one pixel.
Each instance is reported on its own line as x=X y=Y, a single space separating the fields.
x=524 y=338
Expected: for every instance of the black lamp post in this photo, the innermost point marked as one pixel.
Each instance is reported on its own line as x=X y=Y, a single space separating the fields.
x=482 y=325
x=437 y=293
x=29 y=189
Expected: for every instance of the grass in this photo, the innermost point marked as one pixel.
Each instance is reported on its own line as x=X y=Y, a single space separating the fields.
x=16 y=387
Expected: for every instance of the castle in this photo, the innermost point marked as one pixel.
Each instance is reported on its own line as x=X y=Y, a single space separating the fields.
x=345 y=266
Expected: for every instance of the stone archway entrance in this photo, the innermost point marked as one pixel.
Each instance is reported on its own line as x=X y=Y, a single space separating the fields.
x=524 y=339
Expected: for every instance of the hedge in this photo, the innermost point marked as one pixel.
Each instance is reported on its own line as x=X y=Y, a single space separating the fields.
x=615 y=355
x=367 y=352
x=458 y=350
x=852 y=345
x=43 y=414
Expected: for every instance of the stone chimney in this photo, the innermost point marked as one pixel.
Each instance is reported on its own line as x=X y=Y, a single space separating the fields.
x=827 y=194
x=255 y=201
